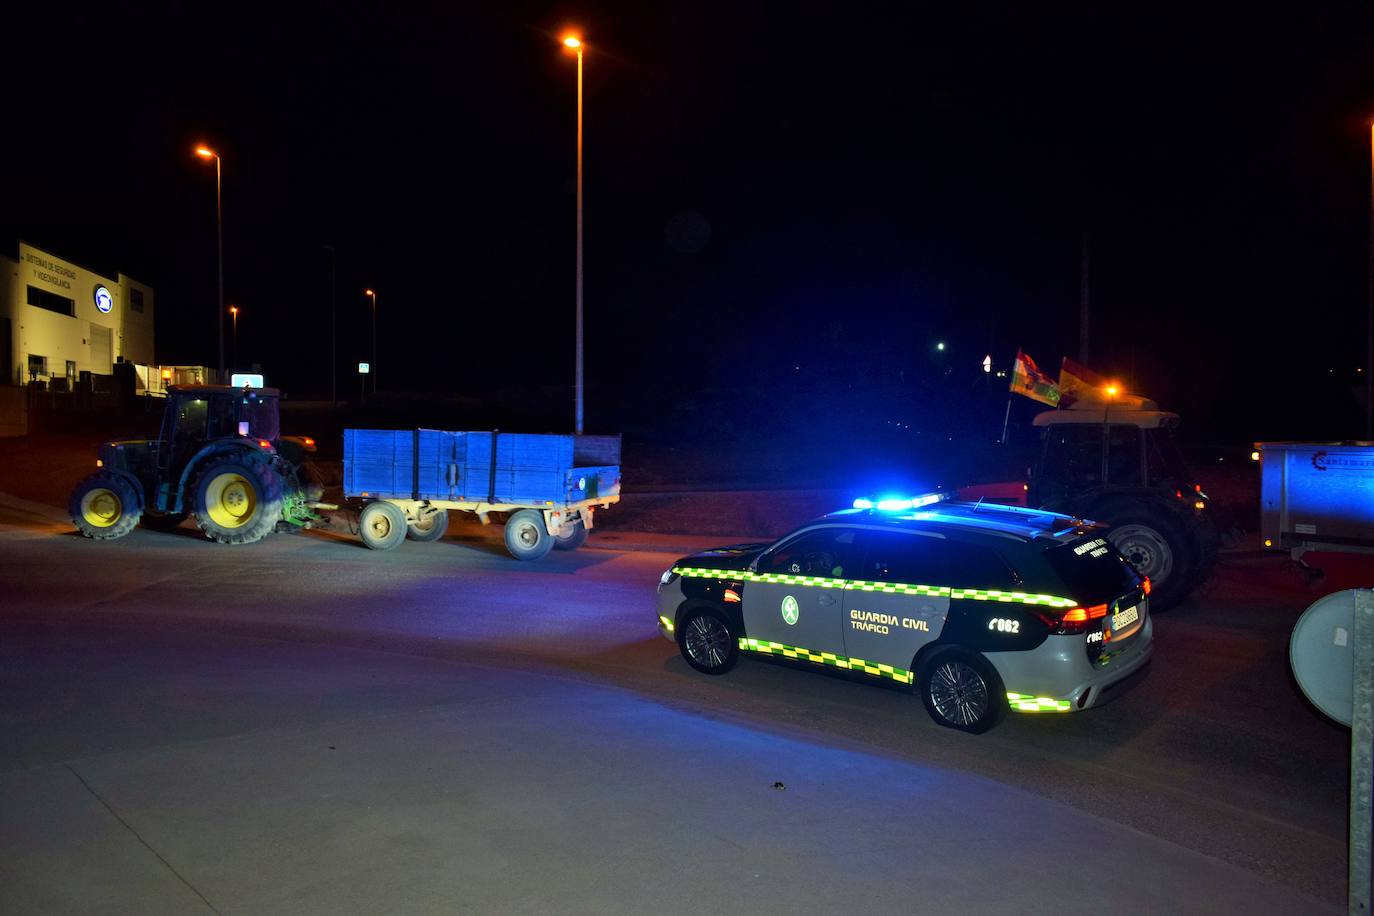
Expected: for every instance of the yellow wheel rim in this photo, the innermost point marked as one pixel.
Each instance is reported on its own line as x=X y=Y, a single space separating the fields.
x=379 y=525
x=101 y=508
x=231 y=500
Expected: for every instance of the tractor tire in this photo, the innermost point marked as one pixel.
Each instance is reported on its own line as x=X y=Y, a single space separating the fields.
x=575 y=538
x=1157 y=548
x=382 y=525
x=105 y=506
x=430 y=528
x=238 y=499
x=526 y=536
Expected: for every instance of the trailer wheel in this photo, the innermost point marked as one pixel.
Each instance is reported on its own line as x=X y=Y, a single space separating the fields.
x=105 y=506
x=431 y=527
x=576 y=536
x=382 y=525
x=526 y=536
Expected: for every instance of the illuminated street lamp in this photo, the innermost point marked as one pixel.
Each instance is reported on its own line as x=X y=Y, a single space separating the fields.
x=234 y=316
x=205 y=152
x=373 y=368
x=575 y=43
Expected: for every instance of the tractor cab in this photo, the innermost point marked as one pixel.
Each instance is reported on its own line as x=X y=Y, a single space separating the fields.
x=198 y=416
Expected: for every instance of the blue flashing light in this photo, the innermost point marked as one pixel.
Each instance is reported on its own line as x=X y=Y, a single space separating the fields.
x=900 y=503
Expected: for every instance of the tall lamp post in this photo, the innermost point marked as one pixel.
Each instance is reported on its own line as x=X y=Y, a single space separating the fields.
x=576 y=44
x=206 y=153
x=372 y=294
x=234 y=316
x=1369 y=330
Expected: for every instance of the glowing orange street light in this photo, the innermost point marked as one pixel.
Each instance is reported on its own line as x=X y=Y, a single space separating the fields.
x=572 y=42
x=205 y=152
x=234 y=314
x=1112 y=391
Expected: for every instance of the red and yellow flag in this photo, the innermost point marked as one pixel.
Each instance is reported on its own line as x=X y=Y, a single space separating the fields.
x=1027 y=379
x=1077 y=382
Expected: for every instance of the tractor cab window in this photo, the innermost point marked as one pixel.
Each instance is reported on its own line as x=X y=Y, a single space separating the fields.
x=1125 y=461
x=1166 y=465
x=224 y=421
x=1073 y=460
x=261 y=414
x=190 y=428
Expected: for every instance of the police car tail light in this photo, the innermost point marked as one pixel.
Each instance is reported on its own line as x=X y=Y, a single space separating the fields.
x=1145 y=585
x=1076 y=619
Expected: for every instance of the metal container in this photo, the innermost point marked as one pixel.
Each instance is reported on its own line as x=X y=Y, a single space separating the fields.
x=1317 y=496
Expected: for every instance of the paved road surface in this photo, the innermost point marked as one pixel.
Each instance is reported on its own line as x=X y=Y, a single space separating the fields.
x=308 y=726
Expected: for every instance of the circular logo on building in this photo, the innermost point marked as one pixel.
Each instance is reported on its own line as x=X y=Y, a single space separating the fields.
x=103 y=300
x=790 y=611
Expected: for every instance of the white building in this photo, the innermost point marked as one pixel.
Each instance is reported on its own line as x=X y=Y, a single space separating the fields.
x=58 y=319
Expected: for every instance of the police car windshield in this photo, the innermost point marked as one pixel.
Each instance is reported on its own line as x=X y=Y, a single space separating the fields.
x=1092 y=569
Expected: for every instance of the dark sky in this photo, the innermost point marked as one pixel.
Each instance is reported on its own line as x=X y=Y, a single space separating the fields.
x=768 y=187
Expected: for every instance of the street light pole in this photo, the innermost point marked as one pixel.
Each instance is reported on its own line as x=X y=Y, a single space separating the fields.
x=207 y=153
x=576 y=45
x=373 y=367
x=1369 y=330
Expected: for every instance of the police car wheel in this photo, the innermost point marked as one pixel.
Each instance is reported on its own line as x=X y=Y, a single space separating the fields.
x=962 y=691
x=705 y=640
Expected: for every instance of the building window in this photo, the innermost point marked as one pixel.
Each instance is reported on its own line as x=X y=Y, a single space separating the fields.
x=51 y=301
x=38 y=365
x=135 y=299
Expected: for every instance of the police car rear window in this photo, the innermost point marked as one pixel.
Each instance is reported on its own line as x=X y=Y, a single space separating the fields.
x=1092 y=569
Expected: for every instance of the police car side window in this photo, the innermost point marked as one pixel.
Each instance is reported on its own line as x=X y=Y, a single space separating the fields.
x=827 y=552
x=914 y=559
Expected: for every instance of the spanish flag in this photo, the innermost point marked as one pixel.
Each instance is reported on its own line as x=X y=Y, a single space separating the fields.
x=1079 y=383
x=1027 y=379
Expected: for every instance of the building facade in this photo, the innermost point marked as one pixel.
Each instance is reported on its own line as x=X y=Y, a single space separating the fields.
x=59 y=319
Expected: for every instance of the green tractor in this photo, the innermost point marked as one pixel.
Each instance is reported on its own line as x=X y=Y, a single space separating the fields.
x=219 y=457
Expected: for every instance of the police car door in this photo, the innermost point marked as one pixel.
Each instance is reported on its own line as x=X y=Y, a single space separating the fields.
x=794 y=596
x=897 y=602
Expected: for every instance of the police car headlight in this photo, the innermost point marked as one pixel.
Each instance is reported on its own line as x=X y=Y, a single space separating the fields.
x=667 y=578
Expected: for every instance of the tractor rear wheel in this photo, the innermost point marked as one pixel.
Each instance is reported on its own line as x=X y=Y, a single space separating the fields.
x=105 y=506
x=238 y=499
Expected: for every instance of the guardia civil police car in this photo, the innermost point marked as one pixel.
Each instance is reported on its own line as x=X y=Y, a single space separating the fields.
x=984 y=608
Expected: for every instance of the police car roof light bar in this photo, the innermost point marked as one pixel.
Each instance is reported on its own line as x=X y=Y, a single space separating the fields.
x=900 y=503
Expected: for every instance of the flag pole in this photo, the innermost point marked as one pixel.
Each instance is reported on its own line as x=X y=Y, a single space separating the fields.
x=1006 y=419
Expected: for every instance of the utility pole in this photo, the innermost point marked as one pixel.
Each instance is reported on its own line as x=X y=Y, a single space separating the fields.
x=1369 y=331
x=1084 y=303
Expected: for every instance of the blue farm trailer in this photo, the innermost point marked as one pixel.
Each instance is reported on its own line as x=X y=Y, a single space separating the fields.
x=548 y=486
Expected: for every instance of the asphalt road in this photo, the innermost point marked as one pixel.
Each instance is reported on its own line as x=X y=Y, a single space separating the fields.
x=189 y=726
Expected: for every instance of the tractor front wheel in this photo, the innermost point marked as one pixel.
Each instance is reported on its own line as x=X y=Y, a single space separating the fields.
x=105 y=506
x=238 y=499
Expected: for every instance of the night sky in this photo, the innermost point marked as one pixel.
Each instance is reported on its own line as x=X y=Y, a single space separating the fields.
x=780 y=199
